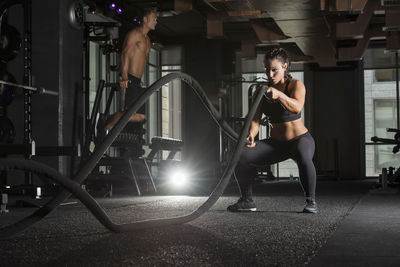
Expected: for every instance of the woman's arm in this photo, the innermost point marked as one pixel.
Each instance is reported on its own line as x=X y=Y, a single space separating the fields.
x=295 y=102
x=255 y=125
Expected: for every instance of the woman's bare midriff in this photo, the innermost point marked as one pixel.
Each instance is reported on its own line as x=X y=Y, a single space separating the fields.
x=284 y=131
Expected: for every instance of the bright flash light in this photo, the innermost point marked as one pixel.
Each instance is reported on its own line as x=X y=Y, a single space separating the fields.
x=178 y=178
x=112 y=6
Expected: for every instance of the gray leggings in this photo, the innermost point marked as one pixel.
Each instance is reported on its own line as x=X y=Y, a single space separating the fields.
x=270 y=151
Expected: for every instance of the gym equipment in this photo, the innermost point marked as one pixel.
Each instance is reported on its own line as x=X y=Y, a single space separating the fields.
x=389 y=178
x=130 y=162
x=395 y=141
x=158 y=144
x=7 y=92
x=27 y=65
x=73 y=185
x=130 y=143
x=92 y=122
x=3 y=203
x=42 y=151
x=10 y=43
x=393 y=176
x=384 y=178
x=127 y=139
x=7 y=131
x=76 y=15
x=164 y=143
x=39 y=90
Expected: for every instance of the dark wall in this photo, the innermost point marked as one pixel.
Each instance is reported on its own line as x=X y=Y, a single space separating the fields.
x=70 y=80
x=204 y=60
x=56 y=66
x=335 y=100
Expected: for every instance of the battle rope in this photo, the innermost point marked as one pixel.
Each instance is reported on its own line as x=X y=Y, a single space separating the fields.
x=73 y=186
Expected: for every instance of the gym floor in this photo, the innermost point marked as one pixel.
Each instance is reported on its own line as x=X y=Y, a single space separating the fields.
x=356 y=226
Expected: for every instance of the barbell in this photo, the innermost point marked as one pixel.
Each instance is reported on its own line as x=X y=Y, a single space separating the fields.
x=39 y=90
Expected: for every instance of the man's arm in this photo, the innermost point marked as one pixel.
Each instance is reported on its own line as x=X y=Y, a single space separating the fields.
x=127 y=51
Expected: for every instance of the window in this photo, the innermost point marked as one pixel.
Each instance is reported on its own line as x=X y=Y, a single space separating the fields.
x=171 y=105
x=171 y=96
x=385 y=117
x=380 y=114
x=152 y=74
x=385 y=75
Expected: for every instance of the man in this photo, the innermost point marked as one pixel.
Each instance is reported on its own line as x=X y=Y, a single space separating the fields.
x=136 y=47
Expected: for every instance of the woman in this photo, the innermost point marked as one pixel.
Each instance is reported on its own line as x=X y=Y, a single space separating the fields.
x=283 y=102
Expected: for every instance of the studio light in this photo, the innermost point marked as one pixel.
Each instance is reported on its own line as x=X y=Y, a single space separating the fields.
x=112 y=6
x=178 y=178
x=119 y=10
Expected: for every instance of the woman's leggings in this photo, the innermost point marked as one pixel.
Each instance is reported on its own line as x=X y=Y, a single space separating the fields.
x=270 y=151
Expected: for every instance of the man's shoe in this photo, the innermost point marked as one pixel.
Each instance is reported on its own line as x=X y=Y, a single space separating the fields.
x=242 y=205
x=311 y=206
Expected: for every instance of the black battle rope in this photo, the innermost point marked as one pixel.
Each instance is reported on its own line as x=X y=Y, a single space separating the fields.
x=73 y=186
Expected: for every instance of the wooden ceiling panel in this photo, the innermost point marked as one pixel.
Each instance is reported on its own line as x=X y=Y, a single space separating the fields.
x=325 y=31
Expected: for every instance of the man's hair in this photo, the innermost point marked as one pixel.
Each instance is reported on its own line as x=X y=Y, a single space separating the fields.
x=147 y=11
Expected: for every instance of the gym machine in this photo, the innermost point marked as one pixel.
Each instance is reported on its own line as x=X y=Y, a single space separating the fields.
x=131 y=163
x=11 y=43
x=390 y=176
x=129 y=143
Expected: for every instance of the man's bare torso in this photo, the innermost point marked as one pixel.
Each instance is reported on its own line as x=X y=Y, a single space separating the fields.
x=138 y=55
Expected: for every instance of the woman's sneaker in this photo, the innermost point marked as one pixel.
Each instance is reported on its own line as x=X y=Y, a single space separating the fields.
x=311 y=206
x=242 y=205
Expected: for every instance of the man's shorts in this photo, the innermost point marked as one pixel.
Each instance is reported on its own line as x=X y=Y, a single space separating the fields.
x=133 y=92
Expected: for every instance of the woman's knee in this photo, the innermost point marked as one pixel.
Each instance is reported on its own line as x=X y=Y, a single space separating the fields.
x=304 y=162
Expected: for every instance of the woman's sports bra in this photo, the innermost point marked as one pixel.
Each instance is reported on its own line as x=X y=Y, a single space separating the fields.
x=276 y=111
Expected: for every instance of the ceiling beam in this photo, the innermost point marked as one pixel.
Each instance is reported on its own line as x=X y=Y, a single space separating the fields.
x=264 y=34
x=355 y=30
x=357 y=52
x=392 y=19
x=347 y=5
x=319 y=48
x=183 y=5
x=393 y=41
x=215 y=25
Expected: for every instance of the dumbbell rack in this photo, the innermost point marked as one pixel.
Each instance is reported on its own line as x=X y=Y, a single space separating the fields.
x=27 y=76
